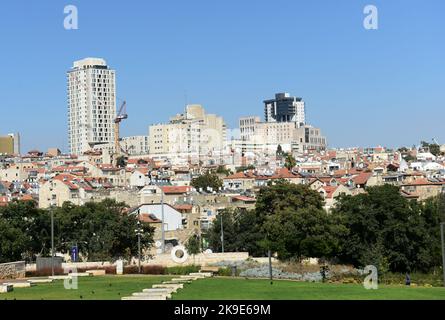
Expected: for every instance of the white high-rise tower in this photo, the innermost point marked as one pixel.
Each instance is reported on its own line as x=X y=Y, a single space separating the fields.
x=91 y=104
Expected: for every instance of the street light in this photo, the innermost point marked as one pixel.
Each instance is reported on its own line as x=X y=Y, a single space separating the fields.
x=442 y=227
x=162 y=223
x=51 y=209
x=222 y=234
x=139 y=231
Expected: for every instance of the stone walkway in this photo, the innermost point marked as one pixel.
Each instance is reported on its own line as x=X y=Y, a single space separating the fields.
x=165 y=290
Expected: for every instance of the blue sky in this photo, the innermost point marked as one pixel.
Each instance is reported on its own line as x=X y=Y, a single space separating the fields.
x=361 y=87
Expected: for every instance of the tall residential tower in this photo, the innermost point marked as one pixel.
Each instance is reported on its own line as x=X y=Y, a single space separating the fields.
x=91 y=104
x=285 y=108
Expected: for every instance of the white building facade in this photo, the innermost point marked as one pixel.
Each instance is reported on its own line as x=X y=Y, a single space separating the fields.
x=91 y=104
x=192 y=133
x=135 y=145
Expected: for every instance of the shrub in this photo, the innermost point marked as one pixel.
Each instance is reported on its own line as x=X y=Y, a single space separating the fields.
x=131 y=270
x=46 y=272
x=153 y=269
x=109 y=269
x=182 y=270
x=226 y=272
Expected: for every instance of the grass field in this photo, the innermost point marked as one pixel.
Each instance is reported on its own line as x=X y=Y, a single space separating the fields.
x=115 y=287
x=89 y=288
x=226 y=288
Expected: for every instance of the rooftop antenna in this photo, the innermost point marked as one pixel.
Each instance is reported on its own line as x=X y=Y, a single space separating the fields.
x=186 y=103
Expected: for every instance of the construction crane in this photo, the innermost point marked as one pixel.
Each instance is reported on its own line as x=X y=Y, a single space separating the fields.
x=121 y=115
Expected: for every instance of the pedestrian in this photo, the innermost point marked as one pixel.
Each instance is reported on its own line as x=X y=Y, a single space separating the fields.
x=407 y=279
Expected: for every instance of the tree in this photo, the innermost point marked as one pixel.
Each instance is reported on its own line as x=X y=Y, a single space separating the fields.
x=120 y=162
x=193 y=244
x=223 y=170
x=102 y=230
x=434 y=148
x=388 y=231
x=242 y=232
x=213 y=236
x=207 y=181
x=295 y=223
x=279 y=152
x=283 y=194
x=290 y=162
x=24 y=231
x=301 y=232
x=245 y=168
x=408 y=157
x=13 y=242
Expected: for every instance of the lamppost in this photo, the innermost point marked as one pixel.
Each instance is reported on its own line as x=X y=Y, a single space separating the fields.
x=269 y=255
x=52 y=204
x=222 y=233
x=162 y=222
x=442 y=227
x=139 y=231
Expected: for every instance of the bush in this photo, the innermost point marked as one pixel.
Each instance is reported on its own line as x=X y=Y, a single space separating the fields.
x=183 y=270
x=131 y=269
x=226 y=272
x=434 y=279
x=153 y=270
x=134 y=269
x=109 y=269
x=46 y=272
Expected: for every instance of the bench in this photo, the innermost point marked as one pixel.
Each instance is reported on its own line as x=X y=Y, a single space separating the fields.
x=210 y=269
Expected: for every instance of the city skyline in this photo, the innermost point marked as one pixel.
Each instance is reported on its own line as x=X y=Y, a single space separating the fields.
x=362 y=87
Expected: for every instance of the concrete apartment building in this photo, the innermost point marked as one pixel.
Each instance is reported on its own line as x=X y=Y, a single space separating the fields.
x=285 y=108
x=193 y=132
x=135 y=145
x=10 y=144
x=91 y=104
x=285 y=126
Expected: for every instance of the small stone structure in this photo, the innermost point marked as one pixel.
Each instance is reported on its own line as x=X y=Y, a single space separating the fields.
x=12 y=270
x=5 y=288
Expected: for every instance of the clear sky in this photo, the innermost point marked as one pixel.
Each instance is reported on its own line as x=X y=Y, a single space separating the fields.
x=361 y=87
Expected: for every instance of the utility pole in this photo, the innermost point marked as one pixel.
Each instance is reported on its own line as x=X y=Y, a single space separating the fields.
x=442 y=227
x=269 y=255
x=222 y=234
x=162 y=224
x=139 y=246
x=52 y=238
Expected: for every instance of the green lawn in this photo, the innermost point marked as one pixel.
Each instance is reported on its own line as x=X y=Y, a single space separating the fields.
x=115 y=287
x=89 y=288
x=239 y=289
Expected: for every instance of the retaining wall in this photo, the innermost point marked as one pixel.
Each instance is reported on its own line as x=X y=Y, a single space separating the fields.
x=12 y=270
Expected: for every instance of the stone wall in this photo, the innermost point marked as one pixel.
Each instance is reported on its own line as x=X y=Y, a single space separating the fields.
x=12 y=270
x=202 y=259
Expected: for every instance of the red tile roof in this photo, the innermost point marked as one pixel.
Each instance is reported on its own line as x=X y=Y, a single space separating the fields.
x=183 y=207
x=329 y=190
x=176 y=189
x=244 y=198
x=362 y=178
x=423 y=182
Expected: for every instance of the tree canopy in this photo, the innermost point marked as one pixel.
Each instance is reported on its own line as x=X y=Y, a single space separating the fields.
x=379 y=227
x=102 y=231
x=207 y=181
